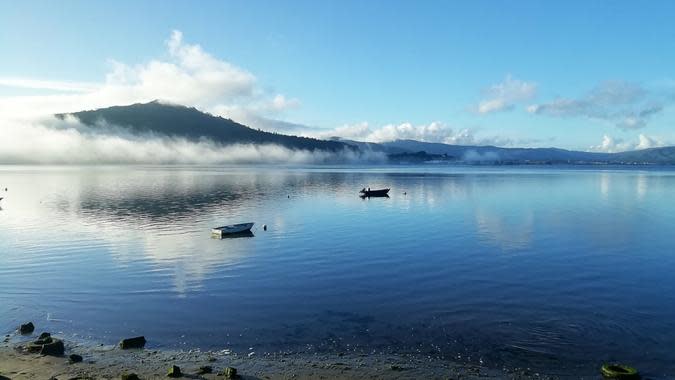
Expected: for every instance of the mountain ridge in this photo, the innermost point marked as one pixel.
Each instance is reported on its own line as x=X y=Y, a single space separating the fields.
x=488 y=153
x=188 y=122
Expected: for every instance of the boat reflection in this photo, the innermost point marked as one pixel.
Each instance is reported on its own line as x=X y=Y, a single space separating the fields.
x=245 y=234
x=374 y=193
x=364 y=196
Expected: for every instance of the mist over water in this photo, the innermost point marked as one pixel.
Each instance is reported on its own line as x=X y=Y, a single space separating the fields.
x=542 y=268
x=55 y=141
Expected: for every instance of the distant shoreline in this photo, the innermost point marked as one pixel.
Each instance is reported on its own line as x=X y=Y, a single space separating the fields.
x=392 y=164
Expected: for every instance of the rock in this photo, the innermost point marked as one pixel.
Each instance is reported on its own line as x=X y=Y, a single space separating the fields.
x=27 y=328
x=43 y=341
x=55 y=348
x=230 y=373
x=44 y=335
x=136 y=342
x=33 y=348
x=74 y=358
x=174 y=371
x=37 y=346
x=130 y=376
x=204 y=370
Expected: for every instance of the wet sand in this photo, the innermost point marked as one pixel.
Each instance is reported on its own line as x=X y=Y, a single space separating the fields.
x=110 y=362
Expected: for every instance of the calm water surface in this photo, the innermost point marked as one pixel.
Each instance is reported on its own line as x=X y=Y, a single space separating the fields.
x=538 y=267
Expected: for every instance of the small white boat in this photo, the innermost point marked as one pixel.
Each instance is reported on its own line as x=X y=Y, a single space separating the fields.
x=232 y=229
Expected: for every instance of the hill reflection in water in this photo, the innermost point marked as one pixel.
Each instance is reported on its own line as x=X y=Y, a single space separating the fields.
x=506 y=266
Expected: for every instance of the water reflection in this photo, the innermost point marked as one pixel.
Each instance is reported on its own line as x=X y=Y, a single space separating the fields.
x=188 y=260
x=374 y=196
x=509 y=232
x=605 y=183
x=424 y=268
x=641 y=185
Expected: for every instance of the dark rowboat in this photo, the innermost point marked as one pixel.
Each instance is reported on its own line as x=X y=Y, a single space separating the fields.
x=374 y=193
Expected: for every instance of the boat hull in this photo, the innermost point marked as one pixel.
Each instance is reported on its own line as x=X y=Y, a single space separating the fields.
x=245 y=234
x=233 y=229
x=375 y=193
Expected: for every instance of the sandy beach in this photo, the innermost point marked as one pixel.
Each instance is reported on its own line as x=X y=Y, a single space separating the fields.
x=111 y=362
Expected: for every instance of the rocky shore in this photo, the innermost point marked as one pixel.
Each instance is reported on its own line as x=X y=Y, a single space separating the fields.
x=23 y=356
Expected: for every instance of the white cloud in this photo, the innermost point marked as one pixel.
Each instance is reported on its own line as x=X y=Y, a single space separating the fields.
x=493 y=105
x=281 y=103
x=626 y=105
x=38 y=84
x=217 y=78
x=503 y=96
x=432 y=132
x=435 y=132
x=612 y=145
x=647 y=142
x=190 y=76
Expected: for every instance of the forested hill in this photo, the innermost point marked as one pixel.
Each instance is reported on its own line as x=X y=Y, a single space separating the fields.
x=192 y=124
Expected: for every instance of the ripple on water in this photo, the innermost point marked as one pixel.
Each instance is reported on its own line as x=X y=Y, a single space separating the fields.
x=535 y=266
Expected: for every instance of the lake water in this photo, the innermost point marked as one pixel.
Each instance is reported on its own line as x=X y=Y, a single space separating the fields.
x=537 y=267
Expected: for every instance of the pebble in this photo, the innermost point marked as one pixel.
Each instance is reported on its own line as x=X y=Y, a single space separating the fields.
x=230 y=373
x=174 y=371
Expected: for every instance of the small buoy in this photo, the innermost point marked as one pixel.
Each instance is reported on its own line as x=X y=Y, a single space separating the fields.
x=619 y=371
x=264 y=227
x=289 y=196
x=404 y=193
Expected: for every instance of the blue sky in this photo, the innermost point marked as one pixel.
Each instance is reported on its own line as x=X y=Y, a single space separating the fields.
x=528 y=73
